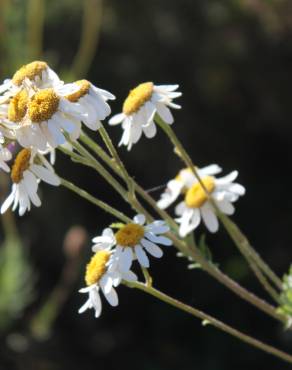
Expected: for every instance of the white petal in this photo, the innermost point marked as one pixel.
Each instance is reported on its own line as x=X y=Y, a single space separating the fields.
x=129 y=276
x=46 y=175
x=95 y=301
x=152 y=248
x=209 y=218
x=126 y=259
x=180 y=209
x=212 y=169
x=141 y=256
x=189 y=221
x=139 y=219
x=8 y=201
x=118 y=118
x=85 y=307
x=112 y=297
x=228 y=178
x=164 y=113
x=157 y=229
x=150 y=130
x=106 y=283
x=226 y=207
x=55 y=131
x=158 y=239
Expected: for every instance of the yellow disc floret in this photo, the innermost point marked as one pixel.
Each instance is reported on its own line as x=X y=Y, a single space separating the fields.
x=29 y=71
x=196 y=195
x=138 y=97
x=43 y=105
x=130 y=235
x=96 y=267
x=84 y=87
x=18 y=106
x=20 y=165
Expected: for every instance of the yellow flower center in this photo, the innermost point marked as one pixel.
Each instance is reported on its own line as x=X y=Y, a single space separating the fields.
x=83 y=90
x=96 y=267
x=21 y=164
x=29 y=71
x=18 y=106
x=43 y=105
x=196 y=195
x=130 y=235
x=137 y=97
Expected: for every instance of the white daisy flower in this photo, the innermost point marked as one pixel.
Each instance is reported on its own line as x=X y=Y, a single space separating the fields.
x=139 y=110
x=182 y=182
x=5 y=156
x=25 y=174
x=37 y=73
x=102 y=274
x=91 y=102
x=133 y=240
x=40 y=121
x=196 y=204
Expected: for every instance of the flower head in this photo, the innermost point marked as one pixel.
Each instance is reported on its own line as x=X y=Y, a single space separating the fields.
x=91 y=102
x=139 y=110
x=102 y=274
x=133 y=240
x=27 y=170
x=38 y=73
x=41 y=119
x=182 y=182
x=196 y=204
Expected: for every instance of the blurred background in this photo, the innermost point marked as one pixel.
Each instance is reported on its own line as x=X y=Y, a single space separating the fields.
x=232 y=60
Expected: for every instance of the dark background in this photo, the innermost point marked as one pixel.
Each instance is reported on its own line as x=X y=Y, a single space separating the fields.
x=232 y=60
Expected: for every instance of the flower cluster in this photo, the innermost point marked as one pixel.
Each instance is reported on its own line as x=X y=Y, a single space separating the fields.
x=114 y=255
x=38 y=112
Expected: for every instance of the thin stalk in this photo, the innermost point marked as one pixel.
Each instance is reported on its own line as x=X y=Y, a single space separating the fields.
x=91 y=27
x=225 y=280
x=147 y=276
x=100 y=169
x=234 y=232
x=35 y=27
x=112 y=164
x=75 y=157
x=243 y=244
x=207 y=319
x=111 y=148
x=104 y=206
x=131 y=200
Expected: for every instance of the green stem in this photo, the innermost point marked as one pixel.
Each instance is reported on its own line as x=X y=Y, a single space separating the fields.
x=104 y=206
x=100 y=169
x=112 y=164
x=147 y=276
x=241 y=242
x=91 y=26
x=35 y=26
x=111 y=148
x=225 y=280
x=74 y=156
x=210 y=320
x=244 y=246
x=127 y=196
